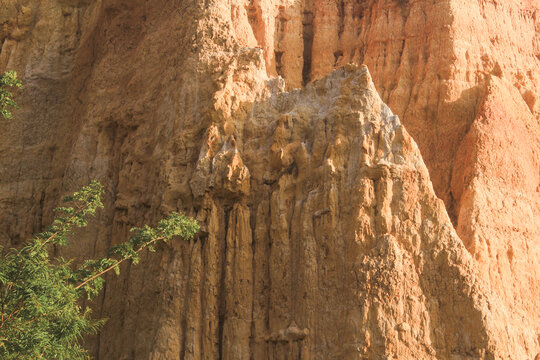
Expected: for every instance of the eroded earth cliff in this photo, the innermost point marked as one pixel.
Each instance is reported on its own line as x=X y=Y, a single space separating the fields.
x=323 y=233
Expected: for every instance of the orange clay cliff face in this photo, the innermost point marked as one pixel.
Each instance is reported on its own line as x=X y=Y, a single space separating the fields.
x=327 y=231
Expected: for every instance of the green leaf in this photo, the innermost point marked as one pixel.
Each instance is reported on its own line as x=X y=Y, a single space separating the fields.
x=39 y=294
x=8 y=80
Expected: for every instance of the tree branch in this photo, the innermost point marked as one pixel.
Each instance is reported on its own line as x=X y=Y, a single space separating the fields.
x=117 y=264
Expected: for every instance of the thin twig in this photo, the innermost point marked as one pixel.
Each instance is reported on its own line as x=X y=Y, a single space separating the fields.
x=117 y=264
x=79 y=211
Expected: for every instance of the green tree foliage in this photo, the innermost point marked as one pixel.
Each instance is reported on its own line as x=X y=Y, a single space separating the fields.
x=40 y=312
x=7 y=81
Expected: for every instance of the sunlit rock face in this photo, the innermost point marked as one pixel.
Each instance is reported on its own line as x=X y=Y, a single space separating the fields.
x=323 y=235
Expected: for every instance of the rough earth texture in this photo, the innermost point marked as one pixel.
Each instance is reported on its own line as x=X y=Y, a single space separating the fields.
x=323 y=235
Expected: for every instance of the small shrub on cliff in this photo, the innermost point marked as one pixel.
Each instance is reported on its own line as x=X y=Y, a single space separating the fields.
x=7 y=81
x=40 y=315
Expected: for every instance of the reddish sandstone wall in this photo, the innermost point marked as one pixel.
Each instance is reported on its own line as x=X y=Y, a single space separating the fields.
x=317 y=210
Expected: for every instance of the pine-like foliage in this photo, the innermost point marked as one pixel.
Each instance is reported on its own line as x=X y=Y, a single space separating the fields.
x=8 y=80
x=40 y=315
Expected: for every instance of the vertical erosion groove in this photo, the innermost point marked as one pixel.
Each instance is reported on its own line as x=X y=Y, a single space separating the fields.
x=341 y=15
x=279 y=65
x=222 y=284
x=307 y=34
